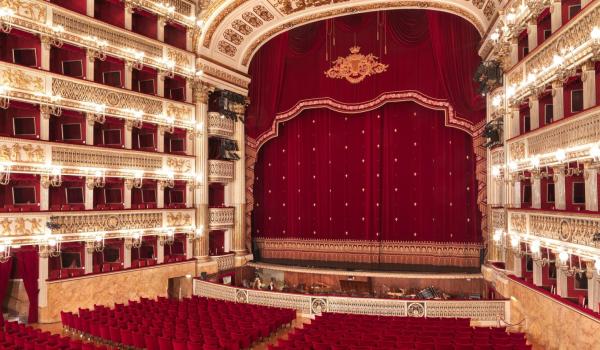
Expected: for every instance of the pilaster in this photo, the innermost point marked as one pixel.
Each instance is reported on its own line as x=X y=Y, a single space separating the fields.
x=588 y=77
x=558 y=110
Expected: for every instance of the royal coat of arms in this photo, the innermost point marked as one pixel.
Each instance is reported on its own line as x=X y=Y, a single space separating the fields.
x=355 y=67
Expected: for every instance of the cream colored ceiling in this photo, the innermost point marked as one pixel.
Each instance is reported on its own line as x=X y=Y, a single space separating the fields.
x=235 y=29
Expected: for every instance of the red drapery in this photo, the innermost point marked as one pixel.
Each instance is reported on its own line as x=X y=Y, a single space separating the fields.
x=431 y=52
x=5 y=270
x=28 y=264
x=394 y=174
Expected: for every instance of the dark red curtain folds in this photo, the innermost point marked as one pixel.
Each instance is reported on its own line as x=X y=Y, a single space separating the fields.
x=5 y=270
x=434 y=53
x=396 y=173
x=28 y=263
x=393 y=173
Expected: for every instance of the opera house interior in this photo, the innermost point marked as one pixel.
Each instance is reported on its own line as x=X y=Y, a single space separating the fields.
x=299 y=174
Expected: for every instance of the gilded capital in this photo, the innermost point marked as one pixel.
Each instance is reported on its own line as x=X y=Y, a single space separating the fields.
x=201 y=91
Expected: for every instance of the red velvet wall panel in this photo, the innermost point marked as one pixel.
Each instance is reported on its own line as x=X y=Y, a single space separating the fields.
x=65 y=60
x=18 y=44
x=144 y=23
x=573 y=96
x=20 y=120
x=110 y=11
x=69 y=127
x=216 y=195
x=73 y=5
x=544 y=25
x=523 y=44
x=216 y=243
x=175 y=35
x=570 y=8
x=395 y=173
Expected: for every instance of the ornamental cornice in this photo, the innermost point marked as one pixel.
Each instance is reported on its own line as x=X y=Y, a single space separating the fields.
x=235 y=29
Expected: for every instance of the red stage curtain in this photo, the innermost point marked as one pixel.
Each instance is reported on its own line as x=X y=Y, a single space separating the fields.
x=395 y=173
x=28 y=264
x=5 y=271
x=434 y=53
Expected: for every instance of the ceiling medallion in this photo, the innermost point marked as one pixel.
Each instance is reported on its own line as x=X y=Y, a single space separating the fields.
x=355 y=67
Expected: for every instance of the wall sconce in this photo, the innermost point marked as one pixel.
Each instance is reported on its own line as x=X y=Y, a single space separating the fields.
x=97 y=181
x=55 y=38
x=4 y=99
x=5 y=247
x=595 y=152
x=136 y=181
x=98 y=113
x=54 y=179
x=169 y=11
x=6 y=19
x=5 y=173
x=138 y=59
x=168 y=237
x=198 y=180
x=169 y=68
x=50 y=247
x=138 y=118
x=566 y=265
x=98 y=50
x=196 y=234
x=135 y=241
x=169 y=182
x=97 y=245
x=169 y=127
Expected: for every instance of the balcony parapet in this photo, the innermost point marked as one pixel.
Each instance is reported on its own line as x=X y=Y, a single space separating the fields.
x=220 y=218
x=219 y=126
x=576 y=136
x=30 y=227
x=45 y=88
x=221 y=171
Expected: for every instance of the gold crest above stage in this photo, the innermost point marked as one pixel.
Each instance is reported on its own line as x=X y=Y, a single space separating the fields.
x=355 y=67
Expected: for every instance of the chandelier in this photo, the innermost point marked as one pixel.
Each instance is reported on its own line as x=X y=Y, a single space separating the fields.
x=98 y=50
x=5 y=247
x=135 y=241
x=4 y=173
x=6 y=18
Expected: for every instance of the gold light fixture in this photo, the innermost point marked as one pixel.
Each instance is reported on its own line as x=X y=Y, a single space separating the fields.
x=167 y=237
x=53 y=179
x=97 y=49
x=4 y=99
x=5 y=173
x=5 y=247
x=96 y=181
x=135 y=241
x=50 y=247
x=136 y=181
x=97 y=245
x=6 y=19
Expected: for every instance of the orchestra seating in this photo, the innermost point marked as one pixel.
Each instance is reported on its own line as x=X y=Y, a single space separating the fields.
x=195 y=323
x=354 y=332
x=15 y=336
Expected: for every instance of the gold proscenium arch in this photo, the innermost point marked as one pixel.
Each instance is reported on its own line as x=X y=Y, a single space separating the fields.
x=235 y=29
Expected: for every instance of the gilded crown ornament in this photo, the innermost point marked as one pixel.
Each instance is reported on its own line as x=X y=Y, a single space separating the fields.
x=355 y=67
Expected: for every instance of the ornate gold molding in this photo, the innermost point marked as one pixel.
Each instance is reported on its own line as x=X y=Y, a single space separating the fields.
x=355 y=67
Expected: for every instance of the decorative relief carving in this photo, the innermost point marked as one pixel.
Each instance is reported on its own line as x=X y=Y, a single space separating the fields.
x=220 y=17
x=220 y=170
x=241 y=27
x=479 y=310
x=291 y=6
x=106 y=222
x=180 y=112
x=227 y=48
x=497 y=156
x=105 y=159
x=581 y=130
x=572 y=229
x=21 y=152
x=517 y=150
x=27 y=9
x=220 y=217
x=21 y=226
x=224 y=75
x=226 y=262
x=498 y=218
x=220 y=126
x=180 y=165
x=263 y=13
x=19 y=79
x=232 y=36
x=252 y=19
x=355 y=67
x=518 y=222
x=179 y=57
x=85 y=92
x=179 y=219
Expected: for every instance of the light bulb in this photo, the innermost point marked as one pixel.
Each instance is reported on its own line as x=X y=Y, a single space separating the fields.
x=512 y=166
x=495 y=171
x=563 y=256
x=535 y=247
x=535 y=162
x=514 y=241
x=595 y=33
x=497 y=235
x=597 y=265
x=595 y=151
x=557 y=60
x=561 y=155
x=6 y=12
x=495 y=36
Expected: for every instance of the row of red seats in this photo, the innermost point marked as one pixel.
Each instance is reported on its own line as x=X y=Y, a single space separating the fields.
x=168 y=324
x=15 y=336
x=344 y=331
